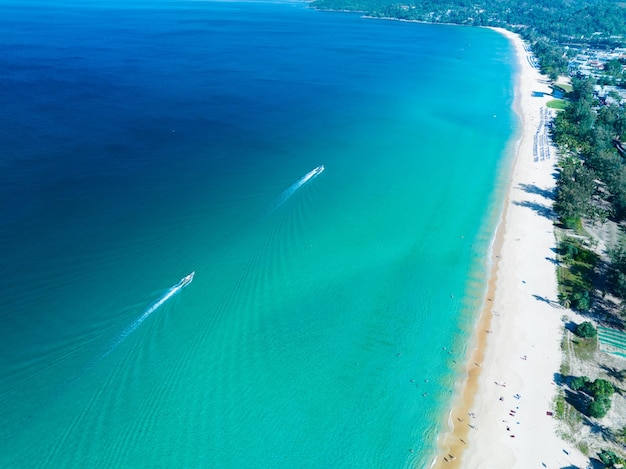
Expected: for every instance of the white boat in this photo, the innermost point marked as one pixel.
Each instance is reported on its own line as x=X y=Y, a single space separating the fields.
x=186 y=280
x=318 y=170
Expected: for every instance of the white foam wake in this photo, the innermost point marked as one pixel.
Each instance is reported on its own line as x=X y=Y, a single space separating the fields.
x=151 y=309
x=297 y=185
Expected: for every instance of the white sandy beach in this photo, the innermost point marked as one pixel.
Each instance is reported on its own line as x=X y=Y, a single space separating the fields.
x=500 y=419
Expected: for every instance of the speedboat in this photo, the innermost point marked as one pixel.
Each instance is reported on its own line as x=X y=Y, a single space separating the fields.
x=187 y=280
x=318 y=170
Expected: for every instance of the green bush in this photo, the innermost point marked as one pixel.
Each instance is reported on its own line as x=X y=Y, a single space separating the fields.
x=585 y=330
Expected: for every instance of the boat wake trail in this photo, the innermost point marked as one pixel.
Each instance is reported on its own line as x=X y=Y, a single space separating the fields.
x=297 y=185
x=153 y=307
x=69 y=383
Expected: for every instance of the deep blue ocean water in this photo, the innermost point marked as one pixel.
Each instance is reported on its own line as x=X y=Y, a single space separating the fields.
x=141 y=142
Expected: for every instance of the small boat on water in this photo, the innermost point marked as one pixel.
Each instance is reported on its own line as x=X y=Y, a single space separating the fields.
x=318 y=170
x=186 y=280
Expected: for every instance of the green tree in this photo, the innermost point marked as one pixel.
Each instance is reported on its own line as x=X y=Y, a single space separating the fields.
x=580 y=113
x=601 y=388
x=575 y=188
x=606 y=163
x=613 y=68
x=578 y=383
x=617 y=274
x=609 y=116
x=599 y=407
x=564 y=300
x=585 y=330
x=581 y=300
x=620 y=123
x=551 y=57
x=582 y=89
x=569 y=250
x=609 y=458
x=618 y=194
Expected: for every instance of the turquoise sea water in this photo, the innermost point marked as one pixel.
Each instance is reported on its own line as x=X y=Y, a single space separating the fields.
x=140 y=143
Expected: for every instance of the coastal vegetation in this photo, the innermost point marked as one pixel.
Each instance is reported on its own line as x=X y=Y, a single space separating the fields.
x=617 y=273
x=556 y=20
x=611 y=460
x=591 y=188
x=584 y=348
x=599 y=391
x=589 y=199
x=575 y=274
x=586 y=330
x=592 y=172
x=591 y=192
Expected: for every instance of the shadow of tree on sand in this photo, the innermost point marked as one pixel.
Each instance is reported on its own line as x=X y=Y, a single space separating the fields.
x=614 y=373
x=543 y=299
x=540 y=209
x=559 y=378
x=571 y=326
x=553 y=260
x=596 y=428
x=596 y=464
x=533 y=189
x=578 y=401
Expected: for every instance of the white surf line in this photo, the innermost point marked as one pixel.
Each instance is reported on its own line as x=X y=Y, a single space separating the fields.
x=297 y=185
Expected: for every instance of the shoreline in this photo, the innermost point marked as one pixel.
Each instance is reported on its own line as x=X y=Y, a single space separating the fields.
x=507 y=388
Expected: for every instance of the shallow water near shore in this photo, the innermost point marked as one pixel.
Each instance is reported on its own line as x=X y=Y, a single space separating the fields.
x=322 y=329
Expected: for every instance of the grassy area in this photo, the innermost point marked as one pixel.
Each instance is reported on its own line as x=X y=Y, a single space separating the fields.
x=559 y=406
x=566 y=413
x=585 y=349
x=576 y=225
x=565 y=369
x=565 y=86
x=558 y=104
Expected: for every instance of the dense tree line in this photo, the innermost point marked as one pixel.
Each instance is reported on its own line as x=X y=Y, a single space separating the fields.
x=592 y=180
x=559 y=20
x=618 y=271
x=593 y=176
x=575 y=274
x=552 y=58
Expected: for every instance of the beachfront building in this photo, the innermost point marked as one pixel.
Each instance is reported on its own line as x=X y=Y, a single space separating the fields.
x=610 y=94
x=592 y=62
